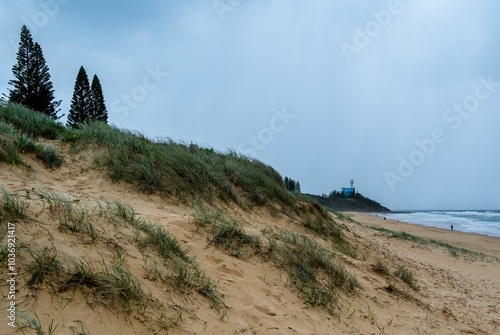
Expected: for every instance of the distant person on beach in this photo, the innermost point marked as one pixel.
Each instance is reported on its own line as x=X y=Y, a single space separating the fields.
x=451 y=227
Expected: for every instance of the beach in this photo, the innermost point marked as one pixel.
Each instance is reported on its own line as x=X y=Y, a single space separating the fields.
x=453 y=290
x=482 y=243
x=460 y=295
x=249 y=168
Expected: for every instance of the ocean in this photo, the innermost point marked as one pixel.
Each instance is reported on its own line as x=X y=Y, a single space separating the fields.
x=480 y=222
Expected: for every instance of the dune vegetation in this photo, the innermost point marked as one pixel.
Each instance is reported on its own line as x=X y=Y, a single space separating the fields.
x=118 y=233
x=186 y=174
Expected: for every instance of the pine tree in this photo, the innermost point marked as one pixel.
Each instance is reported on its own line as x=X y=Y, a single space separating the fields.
x=292 y=185
x=97 y=106
x=297 y=187
x=287 y=183
x=22 y=70
x=32 y=85
x=79 y=111
x=43 y=89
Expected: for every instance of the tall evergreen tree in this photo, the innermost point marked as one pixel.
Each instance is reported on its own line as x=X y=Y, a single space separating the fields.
x=32 y=85
x=80 y=103
x=22 y=70
x=97 y=105
x=43 y=89
x=292 y=185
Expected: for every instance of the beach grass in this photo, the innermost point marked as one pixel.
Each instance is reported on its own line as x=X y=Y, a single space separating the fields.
x=225 y=233
x=19 y=131
x=186 y=171
x=452 y=250
x=12 y=206
x=44 y=267
x=310 y=267
x=407 y=277
x=109 y=280
x=380 y=267
x=31 y=123
x=36 y=324
x=163 y=166
x=174 y=264
x=109 y=285
x=312 y=271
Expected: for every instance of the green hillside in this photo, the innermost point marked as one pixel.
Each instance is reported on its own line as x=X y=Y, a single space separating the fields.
x=358 y=203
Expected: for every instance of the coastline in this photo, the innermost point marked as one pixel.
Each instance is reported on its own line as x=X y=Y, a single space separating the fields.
x=459 y=290
x=489 y=245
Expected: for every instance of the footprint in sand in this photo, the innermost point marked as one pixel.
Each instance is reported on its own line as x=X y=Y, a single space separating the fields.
x=265 y=310
x=229 y=274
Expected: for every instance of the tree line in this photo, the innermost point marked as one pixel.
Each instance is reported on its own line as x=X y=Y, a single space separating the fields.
x=33 y=88
x=292 y=185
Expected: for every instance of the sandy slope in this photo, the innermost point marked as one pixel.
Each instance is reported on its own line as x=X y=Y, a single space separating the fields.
x=459 y=295
x=456 y=296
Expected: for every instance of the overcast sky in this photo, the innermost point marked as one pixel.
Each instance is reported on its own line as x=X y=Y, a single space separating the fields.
x=402 y=96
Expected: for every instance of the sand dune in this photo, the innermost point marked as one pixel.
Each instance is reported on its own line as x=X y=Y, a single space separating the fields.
x=451 y=295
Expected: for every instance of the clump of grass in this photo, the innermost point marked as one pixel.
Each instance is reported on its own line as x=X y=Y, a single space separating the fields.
x=72 y=216
x=129 y=288
x=35 y=324
x=380 y=268
x=9 y=144
x=124 y=211
x=208 y=289
x=348 y=250
x=26 y=145
x=207 y=217
x=77 y=219
x=231 y=236
x=225 y=233
x=325 y=227
x=185 y=277
x=12 y=143
x=341 y=216
x=260 y=182
x=407 y=277
x=202 y=284
x=312 y=271
x=108 y=285
x=159 y=239
x=12 y=206
x=320 y=222
x=56 y=202
x=49 y=155
x=45 y=266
